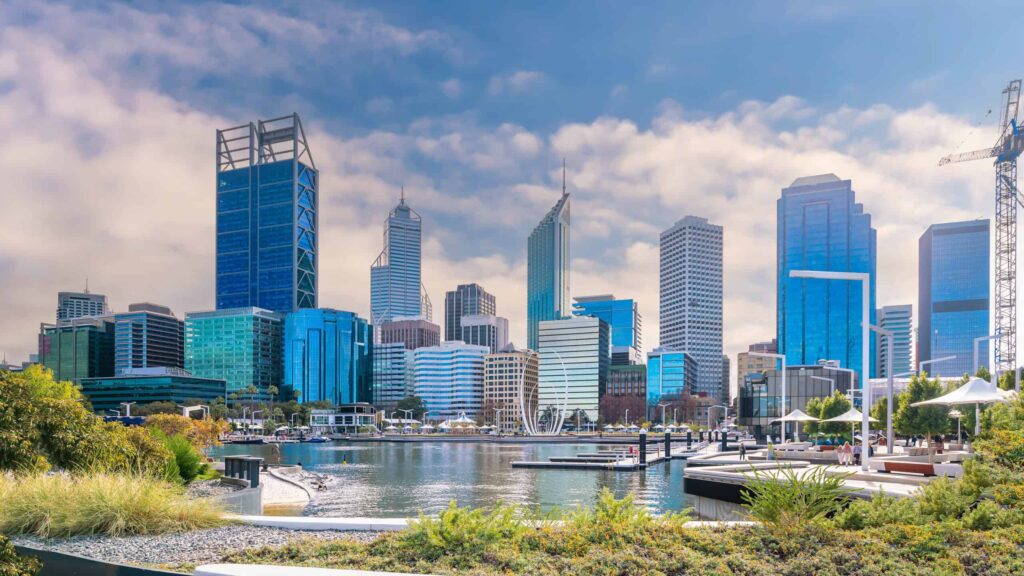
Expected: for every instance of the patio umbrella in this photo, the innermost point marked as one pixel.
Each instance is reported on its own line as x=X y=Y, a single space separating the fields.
x=851 y=416
x=426 y=427
x=391 y=428
x=976 y=391
x=659 y=427
x=797 y=416
x=609 y=427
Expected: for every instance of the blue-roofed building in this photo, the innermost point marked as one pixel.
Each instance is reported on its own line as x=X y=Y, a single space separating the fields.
x=671 y=375
x=267 y=197
x=328 y=356
x=623 y=319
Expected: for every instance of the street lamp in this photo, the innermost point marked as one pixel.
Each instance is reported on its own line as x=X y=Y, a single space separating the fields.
x=888 y=335
x=865 y=282
x=782 y=358
x=127 y=408
x=958 y=415
x=922 y=364
x=662 y=405
x=978 y=340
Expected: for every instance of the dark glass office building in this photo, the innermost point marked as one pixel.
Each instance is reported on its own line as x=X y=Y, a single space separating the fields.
x=760 y=395
x=146 y=385
x=148 y=336
x=465 y=300
x=267 y=196
x=328 y=356
x=78 y=348
x=953 y=295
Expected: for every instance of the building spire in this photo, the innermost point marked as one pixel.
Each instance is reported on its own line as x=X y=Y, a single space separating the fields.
x=86 y=284
x=563 y=176
x=402 y=200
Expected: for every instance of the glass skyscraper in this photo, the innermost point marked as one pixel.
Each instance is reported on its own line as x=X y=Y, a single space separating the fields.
x=396 y=282
x=327 y=356
x=393 y=374
x=78 y=348
x=574 y=364
x=953 y=295
x=148 y=336
x=822 y=227
x=267 y=198
x=465 y=300
x=450 y=379
x=899 y=320
x=670 y=376
x=241 y=346
x=547 y=270
x=623 y=318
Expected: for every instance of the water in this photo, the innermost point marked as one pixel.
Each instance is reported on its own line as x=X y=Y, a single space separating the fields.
x=390 y=479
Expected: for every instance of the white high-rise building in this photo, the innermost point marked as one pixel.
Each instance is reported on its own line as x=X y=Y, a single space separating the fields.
x=450 y=379
x=575 y=356
x=691 y=297
x=897 y=319
x=71 y=305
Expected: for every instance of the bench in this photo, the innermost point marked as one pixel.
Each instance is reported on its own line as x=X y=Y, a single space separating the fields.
x=908 y=467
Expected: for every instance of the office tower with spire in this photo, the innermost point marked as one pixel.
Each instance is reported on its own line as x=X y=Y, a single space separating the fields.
x=547 y=269
x=267 y=230
x=396 y=281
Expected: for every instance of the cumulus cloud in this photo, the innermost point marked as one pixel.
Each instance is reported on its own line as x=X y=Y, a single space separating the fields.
x=515 y=83
x=452 y=88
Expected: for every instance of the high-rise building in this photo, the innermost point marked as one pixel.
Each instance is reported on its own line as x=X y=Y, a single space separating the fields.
x=724 y=390
x=547 y=270
x=623 y=318
x=267 y=228
x=393 y=374
x=148 y=336
x=327 y=356
x=148 y=385
x=747 y=363
x=822 y=227
x=691 y=297
x=672 y=376
x=574 y=362
x=241 y=346
x=899 y=320
x=953 y=295
x=450 y=379
x=413 y=332
x=466 y=300
x=485 y=330
x=396 y=282
x=78 y=348
x=625 y=398
x=72 y=305
x=510 y=387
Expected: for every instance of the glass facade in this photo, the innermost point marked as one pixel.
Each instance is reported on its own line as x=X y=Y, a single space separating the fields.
x=108 y=393
x=396 y=276
x=574 y=363
x=485 y=330
x=450 y=379
x=241 y=346
x=393 y=374
x=760 y=395
x=900 y=321
x=953 y=295
x=327 y=356
x=547 y=271
x=623 y=318
x=78 y=348
x=148 y=336
x=821 y=227
x=72 y=305
x=466 y=300
x=671 y=375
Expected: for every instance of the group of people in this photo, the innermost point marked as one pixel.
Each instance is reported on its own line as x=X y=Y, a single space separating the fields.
x=845 y=454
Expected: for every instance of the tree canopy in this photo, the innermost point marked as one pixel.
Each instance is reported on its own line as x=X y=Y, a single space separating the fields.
x=909 y=419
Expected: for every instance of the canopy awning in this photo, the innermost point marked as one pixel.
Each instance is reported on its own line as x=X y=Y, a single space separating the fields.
x=975 y=391
x=797 y=416
x=851 y=416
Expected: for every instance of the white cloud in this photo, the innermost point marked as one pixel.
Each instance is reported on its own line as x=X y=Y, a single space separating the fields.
x=380 y=105
x=452 y=88
x=515 y=83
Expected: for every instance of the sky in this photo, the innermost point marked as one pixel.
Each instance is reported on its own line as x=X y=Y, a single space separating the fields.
x=108 y=115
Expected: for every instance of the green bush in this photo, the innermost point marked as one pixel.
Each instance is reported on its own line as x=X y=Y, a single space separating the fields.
x=188 y=462
x=982 y=517
x=944 y=499
x=463 y=534
x=13 y=565
x=785 y=496
x=880 y=510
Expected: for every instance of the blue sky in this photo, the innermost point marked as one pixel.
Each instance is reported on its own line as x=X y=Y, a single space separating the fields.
x=662 y=110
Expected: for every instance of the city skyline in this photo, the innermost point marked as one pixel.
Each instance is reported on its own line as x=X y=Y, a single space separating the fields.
x=508 y=162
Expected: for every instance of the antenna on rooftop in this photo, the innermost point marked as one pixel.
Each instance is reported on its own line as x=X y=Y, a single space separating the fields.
x=563 y=176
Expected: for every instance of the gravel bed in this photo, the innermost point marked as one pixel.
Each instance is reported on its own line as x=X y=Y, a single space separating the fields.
x=208 y=488
x=196 y=547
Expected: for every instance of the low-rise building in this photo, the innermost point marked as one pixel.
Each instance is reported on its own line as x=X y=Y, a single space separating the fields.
x=147 y=385
x=625 y=398
x=510 y=387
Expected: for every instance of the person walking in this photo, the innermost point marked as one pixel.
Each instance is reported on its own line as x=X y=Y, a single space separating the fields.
x=743 y=451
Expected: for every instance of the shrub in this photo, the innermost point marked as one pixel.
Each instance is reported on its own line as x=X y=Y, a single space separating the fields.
x=188 y=462
x=201 y=433
x=60 y=505
x=880 y=510
x=944 y=499
x=13 y=565
x=982 y=517
x=786 y=497
x=464 y=534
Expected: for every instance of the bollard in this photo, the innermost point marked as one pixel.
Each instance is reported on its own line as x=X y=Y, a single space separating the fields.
x=689 y=439
x=668 y=445
x=725 y=441
x=643 y=447
x=253 y=471
x=229 y=466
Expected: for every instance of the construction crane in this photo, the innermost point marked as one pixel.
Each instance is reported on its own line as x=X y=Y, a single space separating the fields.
x=1006 y=150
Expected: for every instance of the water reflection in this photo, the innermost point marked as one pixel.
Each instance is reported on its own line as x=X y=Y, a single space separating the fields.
x=401 y=479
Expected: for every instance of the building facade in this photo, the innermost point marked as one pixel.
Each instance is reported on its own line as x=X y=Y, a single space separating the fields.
x=267 y=228
x=78 y=348
x=547 y=270
x=624 y=321
x=148 y=336
x=466 y=300
x=394 y=374
x=574 y=363
x=71 y=305
x=510 y=387
x=450 y=379
x=671 y=377
x=242 y=346
x=690 y=291
x=413 y=332
x=760 y=396
x=747 y=363
x=954 y=277
x=899 y=320
x=822 y=227
x=328 y=356
x=625 y=398
x=396 y=281
x=485 y=330
x=146 y=385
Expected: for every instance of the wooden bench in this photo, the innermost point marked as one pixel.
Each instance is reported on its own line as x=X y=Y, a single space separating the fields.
x=908 y=467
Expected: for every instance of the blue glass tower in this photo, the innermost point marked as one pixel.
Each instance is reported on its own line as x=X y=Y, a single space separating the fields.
x=670 y=376
x=267 y=194
x=396 y=276
x=953 y=295
x=547 y=270
x=623 y=317
x=328 y=356
x=821 y=227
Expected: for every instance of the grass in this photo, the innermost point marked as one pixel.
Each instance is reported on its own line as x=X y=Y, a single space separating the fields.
x=60 y=505
x=787 y=496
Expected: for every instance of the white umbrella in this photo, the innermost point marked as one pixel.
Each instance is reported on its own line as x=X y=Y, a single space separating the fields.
x=797 y=416
x=609 y=427
x=659 y=427
x=976 y=391
x=391 y=428
x=427 y=427
x=851 y=416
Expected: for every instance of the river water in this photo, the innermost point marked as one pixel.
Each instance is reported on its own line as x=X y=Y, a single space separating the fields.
x=390 y=479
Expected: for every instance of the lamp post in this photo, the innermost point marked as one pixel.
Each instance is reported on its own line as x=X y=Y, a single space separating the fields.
x=888 y=335
x=978 y=340
x=922 y=364
x=782 y=358
x=662 y=405
x=674 y=419
x=127 y=408
x=865 y=282
x=627 y=417
x=958 y=415
x=710 y=409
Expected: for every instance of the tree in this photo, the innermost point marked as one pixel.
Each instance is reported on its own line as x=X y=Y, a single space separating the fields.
x=921 y=419
x=156 y=408
x=414 y=404
x=880 y=411
x=833 y=406
x=813 y=408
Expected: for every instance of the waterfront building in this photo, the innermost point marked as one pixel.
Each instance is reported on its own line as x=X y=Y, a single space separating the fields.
x=953 y=295
x=393 y=374
x=510 y=387
x=747 y=363
x=899 y=320
x=574 y=362
x=78 y=348
x=242 y=346
x=485 y=330
x=71 y=305
x=450 y=379
x=396 y=281
x=626 y=394
x=690 y=291
x=413 y=332
x=547 y=270
x=623 y=318
x=466 y=300
x=327 y=356
x=267 y=224
x=147 y=385
x=724 y=390
x=760 y=395
x=822 y=227
x=672 y=375
x=148 y=336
